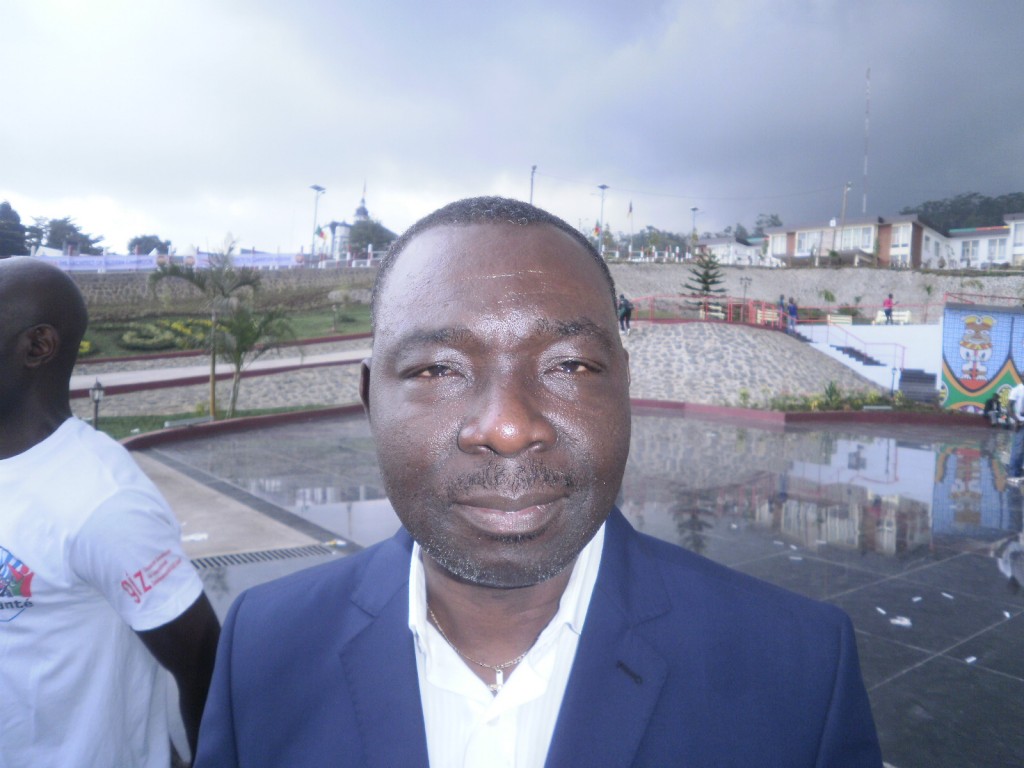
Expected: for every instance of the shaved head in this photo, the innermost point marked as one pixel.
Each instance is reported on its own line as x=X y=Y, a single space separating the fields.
x=34 y=293
x=42 y=322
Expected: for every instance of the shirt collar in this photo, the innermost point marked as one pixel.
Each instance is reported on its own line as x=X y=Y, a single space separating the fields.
x=572 y=607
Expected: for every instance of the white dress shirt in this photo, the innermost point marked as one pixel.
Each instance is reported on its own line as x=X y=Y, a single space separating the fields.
x=469 y=727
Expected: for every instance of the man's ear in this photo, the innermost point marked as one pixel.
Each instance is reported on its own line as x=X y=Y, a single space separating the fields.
x=43 y=344
x=364 y=384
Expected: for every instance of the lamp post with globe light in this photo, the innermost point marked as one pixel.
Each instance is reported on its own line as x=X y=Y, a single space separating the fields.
x=96 y=395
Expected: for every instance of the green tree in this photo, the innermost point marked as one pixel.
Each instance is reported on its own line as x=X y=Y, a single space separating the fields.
x=967 y=210
x=244 y=337
x=766 y=221
x=147 y=244
x=64 y=234
x=705 y=278
x=12 y=232
x=223 y=285
x=35 y=233
x=369 y=232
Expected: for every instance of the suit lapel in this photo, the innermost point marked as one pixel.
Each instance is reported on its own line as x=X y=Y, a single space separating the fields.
x=379 y=663
x=616 y=677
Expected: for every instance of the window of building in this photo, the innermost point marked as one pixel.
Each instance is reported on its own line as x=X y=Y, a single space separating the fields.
x=969 y=250
x=778 y=245
x=997 y=249
x=900 y=235
x=1018 y=233
x=808 y=242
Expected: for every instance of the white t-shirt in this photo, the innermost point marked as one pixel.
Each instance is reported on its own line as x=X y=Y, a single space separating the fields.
x=1016 y=402
x=89 y=553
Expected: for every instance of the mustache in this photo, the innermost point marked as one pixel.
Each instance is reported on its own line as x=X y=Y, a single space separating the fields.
x=512 y=480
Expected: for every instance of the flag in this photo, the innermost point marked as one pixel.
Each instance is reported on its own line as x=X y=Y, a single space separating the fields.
x=597 y=230
x=320 y=233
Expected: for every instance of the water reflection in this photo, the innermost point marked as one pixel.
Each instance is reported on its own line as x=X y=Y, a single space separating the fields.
x=890 y=491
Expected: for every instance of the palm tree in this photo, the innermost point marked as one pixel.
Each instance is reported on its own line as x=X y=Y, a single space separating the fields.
x=244 y=337
x=221 y=283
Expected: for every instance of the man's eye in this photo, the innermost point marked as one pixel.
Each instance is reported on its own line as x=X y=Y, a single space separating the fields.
x=433 y=372
x=573 y=366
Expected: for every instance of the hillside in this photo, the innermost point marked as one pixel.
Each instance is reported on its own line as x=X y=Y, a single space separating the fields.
x=715 y=363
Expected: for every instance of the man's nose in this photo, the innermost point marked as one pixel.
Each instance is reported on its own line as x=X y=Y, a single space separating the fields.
x=506 y=419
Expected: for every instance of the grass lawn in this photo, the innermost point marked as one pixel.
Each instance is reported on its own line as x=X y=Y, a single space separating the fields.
x=312 y=324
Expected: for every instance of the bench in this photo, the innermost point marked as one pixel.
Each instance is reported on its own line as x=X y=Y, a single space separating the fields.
x=899 y=317
x=712 y=312
x=767 y=317
x=840 y=319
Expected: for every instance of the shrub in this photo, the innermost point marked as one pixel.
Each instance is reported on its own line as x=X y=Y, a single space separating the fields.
x=147 y=337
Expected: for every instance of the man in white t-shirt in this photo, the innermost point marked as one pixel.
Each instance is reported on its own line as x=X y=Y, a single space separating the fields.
x=95 y=591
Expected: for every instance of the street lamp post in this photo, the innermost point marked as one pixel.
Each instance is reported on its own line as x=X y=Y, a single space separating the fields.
x=842 y=216
x=600 y=235
x=317 y=191
x=693 y=247
x=745 y=281
x=96 y=395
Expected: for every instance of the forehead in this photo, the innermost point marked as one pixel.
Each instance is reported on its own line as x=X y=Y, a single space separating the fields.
x=492 y=262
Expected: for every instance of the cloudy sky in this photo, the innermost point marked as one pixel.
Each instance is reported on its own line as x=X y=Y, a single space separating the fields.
x=191 y=119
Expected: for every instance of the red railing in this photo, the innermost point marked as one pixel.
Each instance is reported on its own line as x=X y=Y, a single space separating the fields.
x=730 y=309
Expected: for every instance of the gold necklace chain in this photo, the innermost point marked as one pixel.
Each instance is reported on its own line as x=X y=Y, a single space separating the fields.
x=498 y=669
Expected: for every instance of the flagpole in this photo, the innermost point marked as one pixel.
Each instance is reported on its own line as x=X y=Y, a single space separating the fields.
x=629 y=253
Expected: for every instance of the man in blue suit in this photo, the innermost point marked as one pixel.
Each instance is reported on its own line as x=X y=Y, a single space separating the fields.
x=518 y=619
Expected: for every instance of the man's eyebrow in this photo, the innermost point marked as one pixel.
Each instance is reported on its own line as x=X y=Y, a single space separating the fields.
x=427 y=336
x=461 y=335
x=570 y=328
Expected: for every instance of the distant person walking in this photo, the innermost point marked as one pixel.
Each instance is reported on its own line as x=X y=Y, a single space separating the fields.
x=1015 y=405
x=625 y=308
x=782 y=311
x=887 y=308
x=792 y=312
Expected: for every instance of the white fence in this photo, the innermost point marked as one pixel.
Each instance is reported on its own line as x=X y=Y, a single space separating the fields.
x=149 y=262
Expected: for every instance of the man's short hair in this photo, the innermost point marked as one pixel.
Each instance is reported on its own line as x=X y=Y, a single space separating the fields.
x=481 y=210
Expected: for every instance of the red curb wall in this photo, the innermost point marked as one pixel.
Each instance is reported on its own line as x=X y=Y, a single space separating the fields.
x=174 y=434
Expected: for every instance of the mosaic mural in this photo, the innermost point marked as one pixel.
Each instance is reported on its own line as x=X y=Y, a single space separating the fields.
x=982 y=354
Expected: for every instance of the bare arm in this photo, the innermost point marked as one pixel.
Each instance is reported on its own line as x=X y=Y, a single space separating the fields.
x=186 y=647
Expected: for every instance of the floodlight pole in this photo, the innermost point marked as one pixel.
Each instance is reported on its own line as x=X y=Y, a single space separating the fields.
x=600 y=235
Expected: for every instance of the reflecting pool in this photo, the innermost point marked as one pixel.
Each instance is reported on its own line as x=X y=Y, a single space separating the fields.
x=894 y=491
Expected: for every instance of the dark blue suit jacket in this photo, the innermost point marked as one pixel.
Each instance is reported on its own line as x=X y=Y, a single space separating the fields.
x=682 y=662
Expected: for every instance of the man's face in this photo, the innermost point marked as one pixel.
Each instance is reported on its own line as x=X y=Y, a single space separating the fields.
x=499 y=399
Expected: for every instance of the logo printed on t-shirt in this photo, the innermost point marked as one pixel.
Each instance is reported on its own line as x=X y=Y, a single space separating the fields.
x=143 y=580
x=15 y=586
